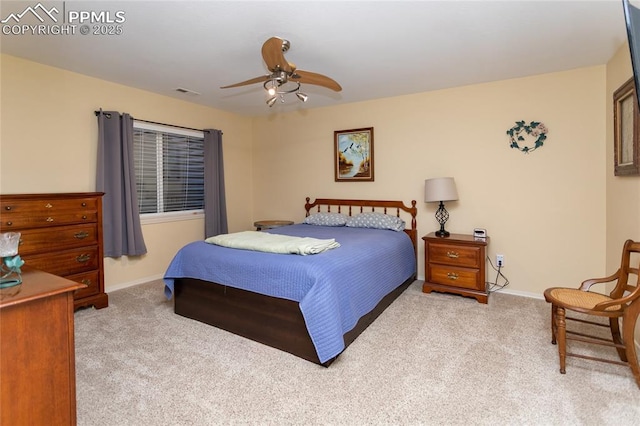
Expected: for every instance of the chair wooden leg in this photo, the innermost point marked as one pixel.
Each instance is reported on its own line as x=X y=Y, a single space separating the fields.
x=561 y=336
x=614 y=324
x=553 y=324
x=628 y=325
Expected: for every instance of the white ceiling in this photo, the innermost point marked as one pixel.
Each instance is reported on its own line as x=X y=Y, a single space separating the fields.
x=374 y=49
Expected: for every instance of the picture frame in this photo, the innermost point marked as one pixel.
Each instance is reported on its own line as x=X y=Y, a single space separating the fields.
x=353 y=155
x=626 y=123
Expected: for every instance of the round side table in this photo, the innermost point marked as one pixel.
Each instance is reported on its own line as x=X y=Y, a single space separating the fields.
x=268 y=224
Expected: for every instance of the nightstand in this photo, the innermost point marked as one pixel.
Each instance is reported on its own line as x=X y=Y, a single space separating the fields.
x=269 y=224
x=456 y=264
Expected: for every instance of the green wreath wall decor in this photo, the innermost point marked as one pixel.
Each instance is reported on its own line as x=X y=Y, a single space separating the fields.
x=534 y=129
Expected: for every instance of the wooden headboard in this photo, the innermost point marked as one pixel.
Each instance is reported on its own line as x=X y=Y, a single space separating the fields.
x=352 y=207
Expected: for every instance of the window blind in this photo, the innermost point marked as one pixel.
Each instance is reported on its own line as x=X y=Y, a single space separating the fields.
x=169 y=165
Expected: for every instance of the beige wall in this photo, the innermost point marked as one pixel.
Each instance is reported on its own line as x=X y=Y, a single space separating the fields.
x=623 y=192
x=545 y=211
x=48 y=143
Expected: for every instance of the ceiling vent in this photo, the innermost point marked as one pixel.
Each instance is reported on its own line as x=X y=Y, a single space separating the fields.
x=187 y=91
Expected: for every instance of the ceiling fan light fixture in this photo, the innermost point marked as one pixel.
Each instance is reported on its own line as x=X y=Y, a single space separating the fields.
x=283 y=74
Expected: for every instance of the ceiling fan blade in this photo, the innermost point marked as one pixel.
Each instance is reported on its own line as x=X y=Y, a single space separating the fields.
x=274 y=56
x=246 y=83
x=309 y=77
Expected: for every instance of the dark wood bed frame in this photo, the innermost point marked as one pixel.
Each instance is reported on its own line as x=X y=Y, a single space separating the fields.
x=278 y=322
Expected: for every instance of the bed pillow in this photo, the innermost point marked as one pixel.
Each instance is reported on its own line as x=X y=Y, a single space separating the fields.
x=376 y=220
x=326 y=219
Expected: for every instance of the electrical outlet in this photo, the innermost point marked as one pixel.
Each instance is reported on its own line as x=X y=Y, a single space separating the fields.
x=500 y=260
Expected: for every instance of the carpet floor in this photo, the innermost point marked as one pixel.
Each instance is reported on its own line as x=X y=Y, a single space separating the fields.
x=429 y=359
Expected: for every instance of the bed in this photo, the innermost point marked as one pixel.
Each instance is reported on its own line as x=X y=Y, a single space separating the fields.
x=310 y=306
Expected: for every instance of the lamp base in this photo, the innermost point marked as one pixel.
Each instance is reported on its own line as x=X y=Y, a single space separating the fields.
x=442 y=234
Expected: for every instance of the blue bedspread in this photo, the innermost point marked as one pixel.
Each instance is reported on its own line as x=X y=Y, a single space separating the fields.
x=334 y=288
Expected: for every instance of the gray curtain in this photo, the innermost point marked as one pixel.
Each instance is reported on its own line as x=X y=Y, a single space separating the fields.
x=215 y=206
x=116 y=177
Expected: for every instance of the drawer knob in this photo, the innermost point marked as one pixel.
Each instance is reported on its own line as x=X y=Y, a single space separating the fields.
x=49 y=219
x=48 y=205
x=84 y=217
x=452 y=276
x=452 y=255
x=86 y=281
x=9 y=223
x=81 y=235
x=7 y=208
x=83 y=258
x=84 y=204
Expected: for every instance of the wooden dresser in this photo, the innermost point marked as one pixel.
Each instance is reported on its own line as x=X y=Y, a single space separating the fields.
x=37 y=351
x=456 y=264
x=62 y=235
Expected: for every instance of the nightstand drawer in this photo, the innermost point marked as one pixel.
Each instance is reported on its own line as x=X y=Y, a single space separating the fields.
x=458 y=277
x=457 y=255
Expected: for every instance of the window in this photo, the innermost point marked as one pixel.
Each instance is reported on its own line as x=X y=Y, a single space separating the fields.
x=169 y=165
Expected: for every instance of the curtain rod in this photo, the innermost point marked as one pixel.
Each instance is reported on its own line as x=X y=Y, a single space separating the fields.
x=155 y=122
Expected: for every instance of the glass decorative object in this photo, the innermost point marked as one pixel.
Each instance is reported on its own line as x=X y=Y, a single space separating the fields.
x=10 y=273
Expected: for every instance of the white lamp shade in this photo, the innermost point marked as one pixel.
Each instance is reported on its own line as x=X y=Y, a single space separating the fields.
x=440 y=189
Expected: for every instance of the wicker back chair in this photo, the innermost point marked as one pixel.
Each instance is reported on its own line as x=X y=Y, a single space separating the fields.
x=623 y=303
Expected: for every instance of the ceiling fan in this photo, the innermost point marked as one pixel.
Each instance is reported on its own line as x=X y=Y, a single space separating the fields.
x=283 y=72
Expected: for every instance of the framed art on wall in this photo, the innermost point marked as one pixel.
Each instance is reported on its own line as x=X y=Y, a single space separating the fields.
x=353 y=155
x=626 y=122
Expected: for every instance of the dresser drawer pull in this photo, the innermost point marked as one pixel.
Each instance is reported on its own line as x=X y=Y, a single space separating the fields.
x=84 y=217
x=7 y=208
x=83 y=258
x=48 y=205
x=84 y=204
x=86 y=281
x=81 y=235
x=49 y=219
x=9 y=223
x=452 y=276
x=453 y=254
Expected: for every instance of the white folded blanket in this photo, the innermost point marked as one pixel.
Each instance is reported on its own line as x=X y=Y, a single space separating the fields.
x=273 y=243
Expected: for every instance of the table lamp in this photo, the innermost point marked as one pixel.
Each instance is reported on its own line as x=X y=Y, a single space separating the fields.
x=440 y=190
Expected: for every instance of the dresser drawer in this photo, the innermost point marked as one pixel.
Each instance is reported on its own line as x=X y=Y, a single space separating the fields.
x=66 y=262
x=44 y=206
x=90 y=279
x=456 y=255
x=15 y=222
x=51 y=239
x=458 y=277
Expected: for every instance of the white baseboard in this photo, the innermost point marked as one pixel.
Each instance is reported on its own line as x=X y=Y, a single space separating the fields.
x=522 y=293
x=120 y=286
